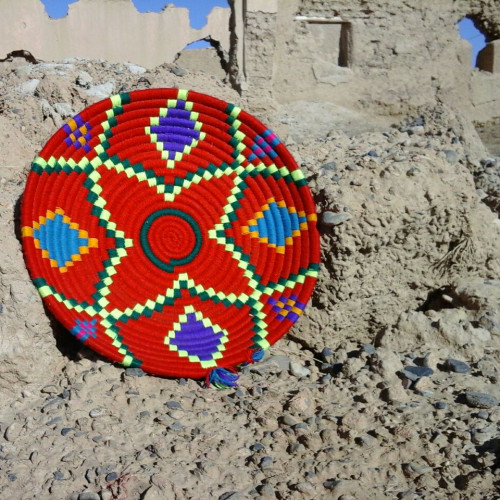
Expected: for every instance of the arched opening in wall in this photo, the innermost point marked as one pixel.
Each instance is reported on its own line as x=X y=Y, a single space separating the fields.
x=469 y=32
x=201 y=55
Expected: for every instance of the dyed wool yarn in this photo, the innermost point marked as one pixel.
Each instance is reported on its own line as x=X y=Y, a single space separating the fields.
x=171 y=231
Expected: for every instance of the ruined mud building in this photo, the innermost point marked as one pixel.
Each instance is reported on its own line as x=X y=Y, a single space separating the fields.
x=375 y=57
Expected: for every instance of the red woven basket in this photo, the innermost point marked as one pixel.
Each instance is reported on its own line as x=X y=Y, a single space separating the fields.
x=170 y=230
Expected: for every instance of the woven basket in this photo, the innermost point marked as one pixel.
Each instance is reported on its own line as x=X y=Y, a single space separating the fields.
x=171 y=231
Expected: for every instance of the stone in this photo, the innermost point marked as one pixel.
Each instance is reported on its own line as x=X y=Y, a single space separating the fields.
x=49 y=389
x=101 y=91
x=13 y=431
x=28 y=88
x=178 y=71
x=451 y=156
x=266 y=463
x=267 y=491
x=135 y=372
x=328 y=168
x=88 y=495
x=394 y=394
x=298 y=370
x=440 y=405
x=176 y=426
x=83 y=79
x=63 y=109
x=305 y=487
x=257 y=447
x=454 y=365
x=386 y=363
x=289 y=419
x=368 y=349
x=173 y=405
x=112 y=476
x=480 y=400
x=326 y=354
x=416 y=372
x=135 y=69
x=272 y=364
x=330 y=219
x=97 y=412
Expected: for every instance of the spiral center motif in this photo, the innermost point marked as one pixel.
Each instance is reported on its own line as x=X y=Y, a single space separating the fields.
x=169 y=238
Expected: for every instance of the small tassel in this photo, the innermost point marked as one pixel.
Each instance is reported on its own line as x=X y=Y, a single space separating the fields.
x=222 y=378
x=257 y=355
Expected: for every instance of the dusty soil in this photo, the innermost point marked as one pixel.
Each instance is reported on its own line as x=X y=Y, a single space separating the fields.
x=386 y=388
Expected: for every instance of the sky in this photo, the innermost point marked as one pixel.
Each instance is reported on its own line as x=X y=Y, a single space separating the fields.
x=470 y=33
x=198 y=10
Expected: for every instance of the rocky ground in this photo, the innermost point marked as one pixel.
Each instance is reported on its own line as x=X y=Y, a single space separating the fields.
x=387 y=388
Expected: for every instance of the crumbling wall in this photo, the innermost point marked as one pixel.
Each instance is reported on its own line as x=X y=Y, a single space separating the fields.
x=380 y=57
x=112 y=30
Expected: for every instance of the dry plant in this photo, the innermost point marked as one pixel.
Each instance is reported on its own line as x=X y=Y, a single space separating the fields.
x=461 y=251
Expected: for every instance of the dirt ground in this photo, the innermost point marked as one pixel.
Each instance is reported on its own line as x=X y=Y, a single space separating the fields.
x=386 y=388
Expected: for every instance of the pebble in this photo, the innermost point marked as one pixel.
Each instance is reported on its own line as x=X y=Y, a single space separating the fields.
x=267 y=491
x=135 y=372
x=84 y=79
x=173 y=405
x=331 y=219
x=28 y=88
x=331 y=484
x=480 y=400
x=97 y=412
x=257 y=447
x=66 y=430
x=289 y=419
x=176 y=426
x=12 y=432
x=178 y=71
x=53 y=421
x=88 y=495
x=298 y=370
x=58 y=475
x=326 y=354
x=454 y=365
x=305 y=487
x=328 y=167
x=416 y=372
x=111 y=476
x=266 y=463
x=440 y=405
x=101 y=91
x=451 y=156
x=63 y=109
x=135 y=69
x=369 y=349
x=484 y=415
x=49 y=389
x=272 y=364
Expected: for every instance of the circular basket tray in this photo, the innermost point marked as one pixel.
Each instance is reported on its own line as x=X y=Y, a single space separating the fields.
x=171 y=231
